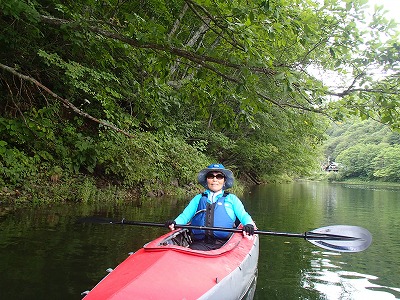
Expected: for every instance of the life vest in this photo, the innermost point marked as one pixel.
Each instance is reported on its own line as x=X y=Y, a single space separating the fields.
x=211 y=215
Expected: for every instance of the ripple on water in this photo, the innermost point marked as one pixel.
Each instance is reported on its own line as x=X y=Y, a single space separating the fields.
x=335 y=283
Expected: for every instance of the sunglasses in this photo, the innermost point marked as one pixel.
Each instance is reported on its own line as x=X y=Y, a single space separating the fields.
x=218 y=176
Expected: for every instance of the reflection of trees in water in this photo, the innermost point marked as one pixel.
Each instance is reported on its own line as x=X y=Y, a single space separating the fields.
x=331 y=200
x=44 y=246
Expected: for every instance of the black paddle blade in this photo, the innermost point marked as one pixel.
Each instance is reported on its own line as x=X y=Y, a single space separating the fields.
x=340 y=238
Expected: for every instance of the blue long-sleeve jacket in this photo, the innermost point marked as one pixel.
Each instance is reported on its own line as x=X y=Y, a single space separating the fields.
x=234 y=207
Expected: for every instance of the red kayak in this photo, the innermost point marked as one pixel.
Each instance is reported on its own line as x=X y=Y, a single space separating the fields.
x=167 y=269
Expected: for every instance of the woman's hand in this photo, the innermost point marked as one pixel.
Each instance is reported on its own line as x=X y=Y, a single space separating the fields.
x=170 y=224
x=248 y=229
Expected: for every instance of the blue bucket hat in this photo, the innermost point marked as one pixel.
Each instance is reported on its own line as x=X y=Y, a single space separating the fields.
x=201 y=178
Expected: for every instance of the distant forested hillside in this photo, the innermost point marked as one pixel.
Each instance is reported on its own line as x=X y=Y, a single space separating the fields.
x=365 y=149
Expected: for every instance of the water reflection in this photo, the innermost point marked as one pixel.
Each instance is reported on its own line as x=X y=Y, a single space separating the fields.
x=252 y=289
x=46 y=254
x=331 y=279
x=292 y=269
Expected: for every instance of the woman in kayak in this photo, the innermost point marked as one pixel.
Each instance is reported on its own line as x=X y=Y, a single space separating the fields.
x=214 y=208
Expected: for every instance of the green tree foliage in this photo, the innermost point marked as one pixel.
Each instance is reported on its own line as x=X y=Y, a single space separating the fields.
x=366 y=149
x=134 y=90
x=387 y=164
x=358 y=160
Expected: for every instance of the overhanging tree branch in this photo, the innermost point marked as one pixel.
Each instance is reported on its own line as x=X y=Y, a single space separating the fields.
x=208 y=62
x=160 y=47
x=64 y=101
x=210 y=17
x=203 y=60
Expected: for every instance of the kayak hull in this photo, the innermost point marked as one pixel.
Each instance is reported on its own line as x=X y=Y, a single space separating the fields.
x=163 y=270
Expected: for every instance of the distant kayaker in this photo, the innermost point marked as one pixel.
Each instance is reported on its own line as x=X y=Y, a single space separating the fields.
x=214 y=208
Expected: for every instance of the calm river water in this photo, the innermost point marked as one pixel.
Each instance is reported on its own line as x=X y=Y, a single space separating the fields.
x=46 y=254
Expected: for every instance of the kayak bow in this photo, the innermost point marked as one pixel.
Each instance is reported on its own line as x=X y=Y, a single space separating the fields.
x=167 y=269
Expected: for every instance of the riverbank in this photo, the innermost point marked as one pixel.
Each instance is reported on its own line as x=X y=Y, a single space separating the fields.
x=371 y=184
x=87 y=189
x=82 y=189
x=334 y=177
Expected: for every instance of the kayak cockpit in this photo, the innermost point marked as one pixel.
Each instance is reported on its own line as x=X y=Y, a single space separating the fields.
x=180 y=240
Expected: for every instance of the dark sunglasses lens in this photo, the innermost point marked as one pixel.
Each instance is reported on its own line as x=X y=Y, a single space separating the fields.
x=218 y=176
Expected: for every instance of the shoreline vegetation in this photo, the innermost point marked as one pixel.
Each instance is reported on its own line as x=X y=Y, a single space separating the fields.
x=86 y=189
x=89 y=189
x=333 y=178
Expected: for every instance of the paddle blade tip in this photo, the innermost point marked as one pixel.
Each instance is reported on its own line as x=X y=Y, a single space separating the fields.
x=347 y=238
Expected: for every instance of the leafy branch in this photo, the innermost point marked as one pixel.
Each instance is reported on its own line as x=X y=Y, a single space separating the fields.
x=202 y=59
x=63 y=100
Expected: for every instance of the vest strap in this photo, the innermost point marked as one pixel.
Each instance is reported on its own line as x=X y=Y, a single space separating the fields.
x=210 y=217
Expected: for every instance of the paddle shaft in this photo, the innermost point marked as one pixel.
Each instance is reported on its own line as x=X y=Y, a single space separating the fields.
x=306 y=235
x=340 y=238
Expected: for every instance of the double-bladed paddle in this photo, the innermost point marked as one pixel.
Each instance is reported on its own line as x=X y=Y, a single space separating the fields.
x=340 y=238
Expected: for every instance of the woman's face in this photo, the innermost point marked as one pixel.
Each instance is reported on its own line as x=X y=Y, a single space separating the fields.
x=215 y=181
